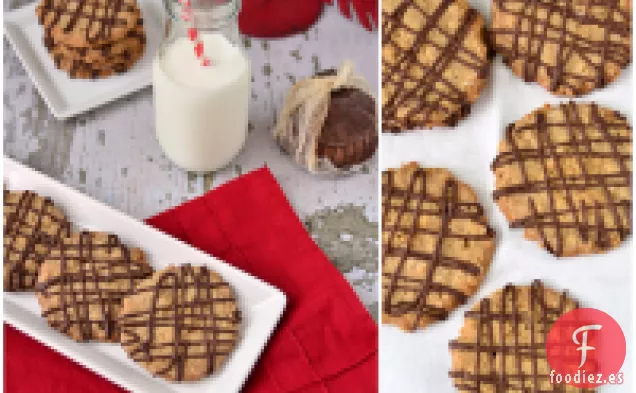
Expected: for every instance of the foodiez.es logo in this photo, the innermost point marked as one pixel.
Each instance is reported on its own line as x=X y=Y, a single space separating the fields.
x=586 y=348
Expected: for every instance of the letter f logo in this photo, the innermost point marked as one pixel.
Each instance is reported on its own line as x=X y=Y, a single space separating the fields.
x=583 y=343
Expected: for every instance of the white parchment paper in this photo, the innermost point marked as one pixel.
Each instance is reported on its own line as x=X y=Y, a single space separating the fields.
x=419 y=362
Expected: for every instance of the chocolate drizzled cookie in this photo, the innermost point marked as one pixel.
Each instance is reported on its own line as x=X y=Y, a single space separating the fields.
x=437 y=245
x=564 y=174
x=82 y=282
x=568 y=47
x=32 y=225
x=502 y=345
x=434 y=62
x=182 y=323
x=88 y=22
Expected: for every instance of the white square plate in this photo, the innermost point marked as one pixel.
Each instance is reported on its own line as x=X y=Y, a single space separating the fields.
x=261 y=304
x=68 y=97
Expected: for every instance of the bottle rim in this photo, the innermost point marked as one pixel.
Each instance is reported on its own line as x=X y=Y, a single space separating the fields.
x=208 y=14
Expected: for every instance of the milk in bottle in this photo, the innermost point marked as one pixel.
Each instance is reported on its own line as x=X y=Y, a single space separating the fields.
x=202 y=110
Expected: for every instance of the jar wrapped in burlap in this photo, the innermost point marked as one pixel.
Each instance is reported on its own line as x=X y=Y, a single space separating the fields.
x=328 y=122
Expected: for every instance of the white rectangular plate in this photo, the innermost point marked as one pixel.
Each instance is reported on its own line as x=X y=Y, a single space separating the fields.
x=68 y=97
x=261 y=304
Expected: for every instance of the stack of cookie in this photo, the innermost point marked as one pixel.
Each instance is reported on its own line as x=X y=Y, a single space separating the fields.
x=92 y=39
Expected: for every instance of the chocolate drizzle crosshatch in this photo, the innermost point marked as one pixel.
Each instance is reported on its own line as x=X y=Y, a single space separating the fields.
x=82 y=282
x=502 y=345
x=436 y=245
x=435 y=62
x=181 y=324
x=568 y=47
x=33 y=225
x=563 y=174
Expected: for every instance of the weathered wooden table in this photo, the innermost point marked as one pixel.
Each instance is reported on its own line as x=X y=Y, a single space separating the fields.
x=112 y=155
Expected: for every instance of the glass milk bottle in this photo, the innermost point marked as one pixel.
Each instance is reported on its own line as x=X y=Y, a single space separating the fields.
x=201 y=96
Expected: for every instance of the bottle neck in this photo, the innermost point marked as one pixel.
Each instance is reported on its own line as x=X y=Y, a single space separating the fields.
x=206 y=16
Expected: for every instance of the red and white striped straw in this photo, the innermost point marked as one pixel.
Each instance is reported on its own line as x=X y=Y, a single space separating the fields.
x=193 y=32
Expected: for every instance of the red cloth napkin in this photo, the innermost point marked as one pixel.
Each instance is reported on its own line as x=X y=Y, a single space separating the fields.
x=326 y=341
x=278 y=18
